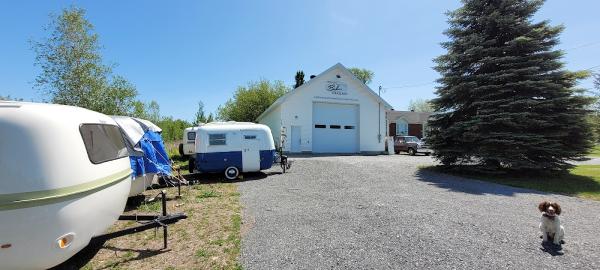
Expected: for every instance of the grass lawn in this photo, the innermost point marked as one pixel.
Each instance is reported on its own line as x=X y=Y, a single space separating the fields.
x=595 y=151
x=208 y=239
x=582 y=181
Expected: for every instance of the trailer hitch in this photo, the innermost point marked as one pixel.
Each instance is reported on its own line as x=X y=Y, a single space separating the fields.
x=152 y=221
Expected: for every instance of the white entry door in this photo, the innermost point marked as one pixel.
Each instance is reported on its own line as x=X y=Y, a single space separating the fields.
x=335 y=128
x=250 y=151
x=295 y=140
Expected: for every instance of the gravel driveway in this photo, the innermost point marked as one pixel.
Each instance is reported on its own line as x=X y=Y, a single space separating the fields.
x=382 y=212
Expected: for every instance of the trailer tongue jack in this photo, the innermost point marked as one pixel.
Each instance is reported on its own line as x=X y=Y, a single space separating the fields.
x=147 y=222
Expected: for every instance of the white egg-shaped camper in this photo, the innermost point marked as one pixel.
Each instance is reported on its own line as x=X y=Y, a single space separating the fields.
x=64 y=178
x=233 y=147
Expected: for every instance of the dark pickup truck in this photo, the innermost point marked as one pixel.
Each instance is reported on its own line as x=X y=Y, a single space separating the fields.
x=410 y=144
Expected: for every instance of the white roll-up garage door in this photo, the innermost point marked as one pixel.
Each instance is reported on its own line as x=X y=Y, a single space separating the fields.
x=335 y=128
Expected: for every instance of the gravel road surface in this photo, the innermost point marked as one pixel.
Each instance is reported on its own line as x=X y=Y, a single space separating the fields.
x=383 y=212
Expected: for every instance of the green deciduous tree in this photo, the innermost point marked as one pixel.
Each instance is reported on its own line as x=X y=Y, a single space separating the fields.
x=153 y=111
x=250 y=101
x=299 y=78
x=364 y=75
x=200 y=115
x=72 y=72
x=172 y=129
x=506 y=103
x=420 y=105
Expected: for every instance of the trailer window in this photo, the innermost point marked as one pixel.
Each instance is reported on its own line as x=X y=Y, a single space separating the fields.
x=216 y=139
x=320 y=126
x=191 y=136
x=335 y=126
x=250 y=137
x=103 y=142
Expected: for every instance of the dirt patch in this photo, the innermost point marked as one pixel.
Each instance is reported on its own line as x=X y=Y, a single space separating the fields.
x=208 y=239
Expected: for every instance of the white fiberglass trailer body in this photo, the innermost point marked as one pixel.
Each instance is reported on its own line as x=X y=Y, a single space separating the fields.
x=188 y=143
x=64 y=178
x=233 y=147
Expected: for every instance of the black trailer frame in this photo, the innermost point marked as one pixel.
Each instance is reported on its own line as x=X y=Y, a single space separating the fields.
x=147 y=222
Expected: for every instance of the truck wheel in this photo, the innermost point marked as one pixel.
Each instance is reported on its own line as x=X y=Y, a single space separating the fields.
x=412 y=152
x=191 y=165
x=232 y=173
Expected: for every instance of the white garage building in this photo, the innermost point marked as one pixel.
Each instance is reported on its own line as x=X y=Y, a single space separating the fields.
x=333 y=112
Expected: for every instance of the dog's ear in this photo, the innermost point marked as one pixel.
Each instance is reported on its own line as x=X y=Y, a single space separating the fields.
x=556 y=208
x=543 y=206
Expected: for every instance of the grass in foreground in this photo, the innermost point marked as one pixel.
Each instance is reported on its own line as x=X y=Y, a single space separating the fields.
x=595 y=151
x=582 y=181
x=208 y=239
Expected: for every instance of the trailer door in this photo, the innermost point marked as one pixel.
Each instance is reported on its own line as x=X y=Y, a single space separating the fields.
x=250 y=151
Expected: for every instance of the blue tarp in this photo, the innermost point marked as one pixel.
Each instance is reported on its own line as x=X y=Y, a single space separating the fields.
x=154 y=160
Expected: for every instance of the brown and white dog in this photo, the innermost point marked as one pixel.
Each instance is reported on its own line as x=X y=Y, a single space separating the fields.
x=550 y=223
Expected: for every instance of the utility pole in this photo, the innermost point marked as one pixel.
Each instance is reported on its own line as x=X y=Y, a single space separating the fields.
x=379 y=114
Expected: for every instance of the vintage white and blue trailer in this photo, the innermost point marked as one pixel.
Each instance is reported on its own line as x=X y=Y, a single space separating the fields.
x=65 y=178
x=233 y=147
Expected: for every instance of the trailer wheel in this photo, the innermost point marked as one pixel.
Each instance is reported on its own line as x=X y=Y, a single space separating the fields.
x=180 y=148
x=191 y=165
x=232 y=173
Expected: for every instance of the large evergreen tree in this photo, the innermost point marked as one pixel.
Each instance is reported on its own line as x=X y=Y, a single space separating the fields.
x=505 y=101
x=299 y=78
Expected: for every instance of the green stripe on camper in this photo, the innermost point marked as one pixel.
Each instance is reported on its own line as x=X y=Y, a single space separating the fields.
x=44 y=197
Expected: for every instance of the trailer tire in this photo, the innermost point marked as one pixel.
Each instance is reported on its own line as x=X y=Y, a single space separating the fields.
x=191 y=165
x=232 y=173
x=181 y=150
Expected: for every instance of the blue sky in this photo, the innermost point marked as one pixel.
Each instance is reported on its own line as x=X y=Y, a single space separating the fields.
x=180 y=52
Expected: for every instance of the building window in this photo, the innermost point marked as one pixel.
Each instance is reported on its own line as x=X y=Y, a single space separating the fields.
x=335 y=126
x=320 y=126
x=401 y=127
x=216 y=139
x=348 y=127
x=191 y=136
x=103 y=142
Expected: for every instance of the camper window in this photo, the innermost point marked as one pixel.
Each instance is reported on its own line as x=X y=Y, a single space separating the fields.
x=216 y=139
x=103 y=142
x=250 y=137
x=191 y=136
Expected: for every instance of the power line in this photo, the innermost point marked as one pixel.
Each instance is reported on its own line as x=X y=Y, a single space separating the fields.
x=408 y=86
x=583 y=46
x=430 y=83
x=594 y=67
